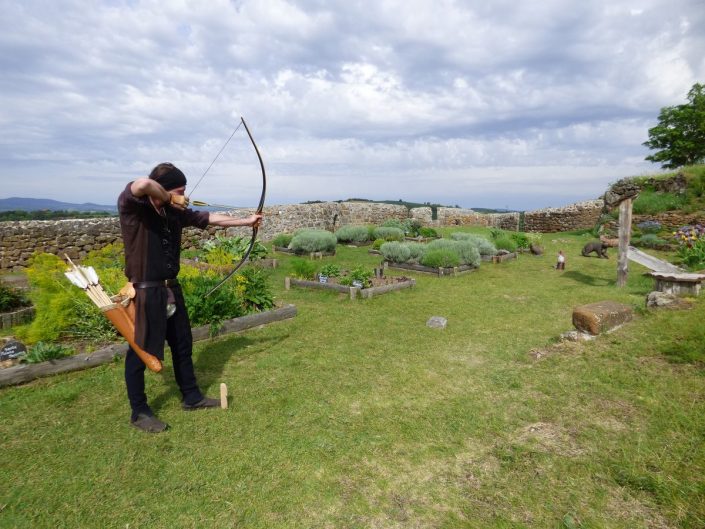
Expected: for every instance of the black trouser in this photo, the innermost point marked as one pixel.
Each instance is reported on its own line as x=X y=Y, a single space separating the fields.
x=178 y=336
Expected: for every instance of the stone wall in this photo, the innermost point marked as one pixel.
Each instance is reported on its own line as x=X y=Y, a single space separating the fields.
x=468 y=217
x=18 y=240
x=76 y=237
x=583 y=215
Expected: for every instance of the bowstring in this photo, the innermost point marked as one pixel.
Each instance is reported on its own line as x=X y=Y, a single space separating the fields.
x=214 y=159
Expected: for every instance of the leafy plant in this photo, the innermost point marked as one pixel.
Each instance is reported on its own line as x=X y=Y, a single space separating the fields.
x=11 y=298
x=393 y=223
x=330 y=270
x=648 y=240
x=221 y=305
x=307 y=241
x=416 y=251
x=359 y=274
x=427 y=232
x=505 y=243
x=483 y=246
x=253 y=287
x=227 y=250
x=42 y=351
x=303 y=268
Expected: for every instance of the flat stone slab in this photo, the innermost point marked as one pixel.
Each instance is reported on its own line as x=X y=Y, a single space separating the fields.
x=601 y=317
x=437 y=322
x=680 y=284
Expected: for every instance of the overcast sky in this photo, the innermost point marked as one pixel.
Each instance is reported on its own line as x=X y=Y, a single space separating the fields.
x=477 y=103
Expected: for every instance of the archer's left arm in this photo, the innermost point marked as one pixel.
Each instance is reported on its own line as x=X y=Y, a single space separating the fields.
x=226 y=221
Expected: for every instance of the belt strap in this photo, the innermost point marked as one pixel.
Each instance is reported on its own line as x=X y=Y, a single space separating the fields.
x=152 y=284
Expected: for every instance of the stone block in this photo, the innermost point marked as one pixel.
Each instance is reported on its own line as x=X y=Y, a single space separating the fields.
x=601 y=317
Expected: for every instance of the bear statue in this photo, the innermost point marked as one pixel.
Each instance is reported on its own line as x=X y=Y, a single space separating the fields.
x=599 y=247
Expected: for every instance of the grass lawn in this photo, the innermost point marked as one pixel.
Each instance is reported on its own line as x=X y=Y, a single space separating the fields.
x=356 y=415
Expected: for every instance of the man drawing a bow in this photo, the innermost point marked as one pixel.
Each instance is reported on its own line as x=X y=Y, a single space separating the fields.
x=153 y=212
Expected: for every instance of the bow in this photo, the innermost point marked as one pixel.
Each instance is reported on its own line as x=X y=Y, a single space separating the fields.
x=255 y=228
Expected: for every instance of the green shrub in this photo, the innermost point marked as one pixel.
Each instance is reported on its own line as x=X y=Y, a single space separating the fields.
x=11 y=299
x=649 y=240
x=282 y=240
x=428 y=233
x=109 y=256
x=303 y=268
x=307 y=241
x=416 y=251
x=252 y=286
x=92 y=326
x=377 y=244
x=394 y=223
x=505 y=243
x=42 y=352
x=483 y=246
x=54 y=299
x=389 y=233
x=521 y=239
x=468 y=253
x=395 y=252
x=358 y=234
x=440 y=258
x=651 y=202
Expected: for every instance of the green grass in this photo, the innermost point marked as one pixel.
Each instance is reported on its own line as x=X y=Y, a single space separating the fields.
x=354 y=414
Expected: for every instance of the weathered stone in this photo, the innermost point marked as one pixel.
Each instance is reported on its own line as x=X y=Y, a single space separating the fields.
x=437 y=322
x=576 y=336
x=658 y=299
x=601 y=317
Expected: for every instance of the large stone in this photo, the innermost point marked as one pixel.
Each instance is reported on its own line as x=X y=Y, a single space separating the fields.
x=601 y=317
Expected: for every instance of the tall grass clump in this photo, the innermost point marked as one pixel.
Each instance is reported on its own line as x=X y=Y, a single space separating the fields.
x=356 y=234
x=650 y=202
x=307 y=241
x=440 y=258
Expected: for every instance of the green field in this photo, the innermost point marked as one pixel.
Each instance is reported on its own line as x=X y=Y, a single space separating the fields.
x=356 y=415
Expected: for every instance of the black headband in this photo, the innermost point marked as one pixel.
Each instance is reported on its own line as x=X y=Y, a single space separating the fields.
x=168 y=176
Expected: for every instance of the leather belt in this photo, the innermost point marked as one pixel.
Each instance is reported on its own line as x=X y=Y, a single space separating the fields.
x=152 y=284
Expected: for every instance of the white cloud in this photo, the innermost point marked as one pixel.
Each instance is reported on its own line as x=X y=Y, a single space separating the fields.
x=445 y=100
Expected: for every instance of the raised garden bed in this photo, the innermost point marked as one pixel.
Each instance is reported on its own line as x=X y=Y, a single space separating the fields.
x=19 y=374
x=16 y=317
x=263 y=263
x=440 y=272
x=312 y=255
x=379 y=286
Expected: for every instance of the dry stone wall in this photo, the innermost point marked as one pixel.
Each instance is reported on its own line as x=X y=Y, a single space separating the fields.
x=76 y=237
x=582 y=215
x=19 y=240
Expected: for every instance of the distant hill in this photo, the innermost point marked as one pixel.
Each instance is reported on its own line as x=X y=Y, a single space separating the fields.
x=40 y=204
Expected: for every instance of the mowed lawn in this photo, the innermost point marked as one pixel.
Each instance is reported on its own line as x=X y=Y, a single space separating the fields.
x=355 y=414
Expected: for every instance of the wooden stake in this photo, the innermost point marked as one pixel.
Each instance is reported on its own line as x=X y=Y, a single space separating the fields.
x=625 y=228
x=223 y=396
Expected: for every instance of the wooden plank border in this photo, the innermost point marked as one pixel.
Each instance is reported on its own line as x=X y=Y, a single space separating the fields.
x=22 y=373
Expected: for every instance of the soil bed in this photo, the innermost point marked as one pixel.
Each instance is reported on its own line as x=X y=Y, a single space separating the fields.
x=380 y=285
x=440 y=272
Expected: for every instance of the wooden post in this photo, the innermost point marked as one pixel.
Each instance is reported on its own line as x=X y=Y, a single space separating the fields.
x=625 y=228
x=287 y=283
x=223 y=396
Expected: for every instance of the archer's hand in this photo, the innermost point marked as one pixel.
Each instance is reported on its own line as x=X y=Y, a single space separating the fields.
x=179 y=202
x=254 y=220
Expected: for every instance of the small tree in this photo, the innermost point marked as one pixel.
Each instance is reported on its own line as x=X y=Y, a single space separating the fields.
x=680 y=133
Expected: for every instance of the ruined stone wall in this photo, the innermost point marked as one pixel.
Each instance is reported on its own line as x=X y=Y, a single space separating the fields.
x=468 y=217
x=582 y=215
x=672 y=220
x=76 y=237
